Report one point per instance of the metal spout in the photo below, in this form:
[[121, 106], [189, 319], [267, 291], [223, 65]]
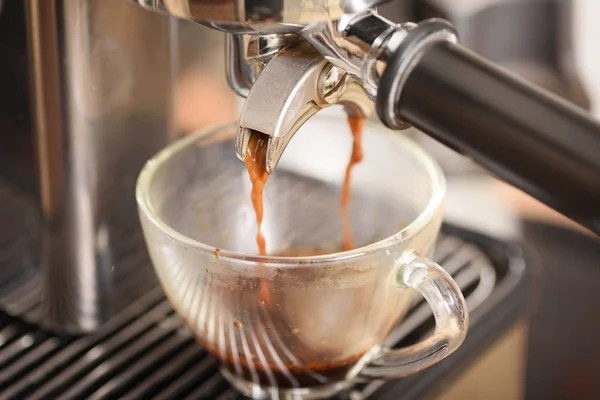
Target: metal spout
[[296, 84]]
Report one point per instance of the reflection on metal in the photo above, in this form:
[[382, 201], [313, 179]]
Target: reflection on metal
[[101, 87], [257, 16]]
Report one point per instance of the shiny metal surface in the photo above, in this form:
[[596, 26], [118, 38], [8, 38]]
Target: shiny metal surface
[[102, 107], [349, 39], [335, 62], [356, 43], [247, 55], [347, 42], [352, 43], [292, 87], [241, 72], [258, 16]]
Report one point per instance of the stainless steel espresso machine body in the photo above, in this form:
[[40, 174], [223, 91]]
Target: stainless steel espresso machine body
[[95, 63], [100, 104]]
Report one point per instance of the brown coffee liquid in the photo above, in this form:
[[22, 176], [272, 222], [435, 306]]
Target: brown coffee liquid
[[256, 163], [356, 127], [283, 375], [306, 375], [255, 160]]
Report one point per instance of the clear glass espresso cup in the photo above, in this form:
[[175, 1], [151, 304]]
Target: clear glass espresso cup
[[325, 318]]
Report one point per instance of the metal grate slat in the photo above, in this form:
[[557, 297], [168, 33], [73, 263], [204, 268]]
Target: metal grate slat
[[152, 303], [209, 389], [137, 371], [8, 334], [116, 362], [161, 377], [28, 362], [19, 347], [145, 351], [97, 354], [189, 380]]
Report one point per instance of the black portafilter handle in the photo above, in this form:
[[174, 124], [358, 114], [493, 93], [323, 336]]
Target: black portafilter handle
[[523, 134]]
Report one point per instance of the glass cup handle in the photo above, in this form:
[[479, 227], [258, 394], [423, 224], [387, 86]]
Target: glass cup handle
[[451, 321]]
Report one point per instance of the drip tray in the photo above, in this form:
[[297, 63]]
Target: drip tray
[[146, 352]]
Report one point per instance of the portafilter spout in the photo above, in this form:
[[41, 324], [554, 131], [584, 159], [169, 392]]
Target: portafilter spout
[[295, 84]]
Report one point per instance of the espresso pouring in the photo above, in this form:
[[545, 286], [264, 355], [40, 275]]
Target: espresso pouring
[[255, 160], [303, 375]]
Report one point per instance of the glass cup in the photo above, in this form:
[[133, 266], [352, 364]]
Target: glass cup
[[324, 318]]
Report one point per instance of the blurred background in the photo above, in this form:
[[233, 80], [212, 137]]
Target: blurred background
[[551, 351]]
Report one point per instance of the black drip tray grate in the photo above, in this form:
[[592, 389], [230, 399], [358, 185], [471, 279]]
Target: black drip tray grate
[[146, 352]]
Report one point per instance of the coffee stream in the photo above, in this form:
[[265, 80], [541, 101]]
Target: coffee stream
[[256, 163], [255, 160], [313, 374], [356, 127]]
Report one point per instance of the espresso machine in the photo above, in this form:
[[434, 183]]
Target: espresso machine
[[100, 101], [291, 60]]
